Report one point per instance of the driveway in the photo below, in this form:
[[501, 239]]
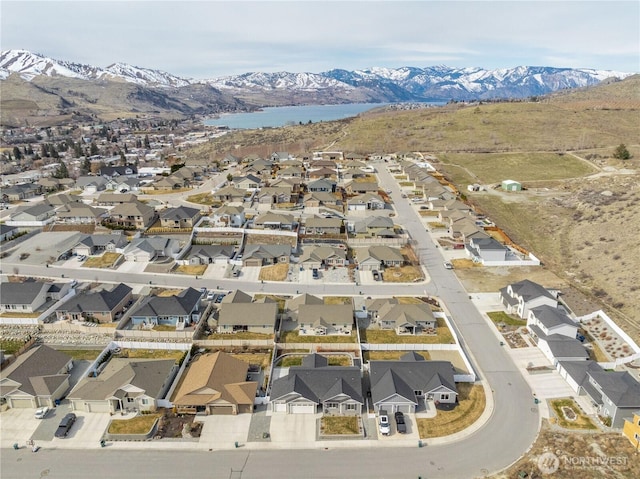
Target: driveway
[[411, 436], [17, 425], [298, 430], [221, 432]]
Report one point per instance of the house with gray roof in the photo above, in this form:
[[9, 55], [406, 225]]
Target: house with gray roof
[[210, 254], [7, 232], [405, 385], [274, 195], [266, 254], [362, 187], [550, 321], [380, 226], [274, 221], [98, 243], [555, 334], [125, 385], [291, 305], [251, 317], [32, 215], [102, 306], [23, 297], [231, 216], [237, 296], [180, 217], [318, 225], [112, 199], [322, 184], [325, 319], [377, 257], [230, 194], [92, 184], [406, 318], [150, 248], [336, 390], [249, 182], [317, 256], [36, 378], [180, 310], [366, 201], [80, 214], [486, 250], [518, 298], [314, 199]]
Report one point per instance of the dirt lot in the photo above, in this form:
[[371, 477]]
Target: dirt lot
[[581, 455], [485, 279]]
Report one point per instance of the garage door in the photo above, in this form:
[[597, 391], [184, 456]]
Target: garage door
[[22, 403], [302, 408], [280, 407], [101, 406], [221, 410], [393, 407]]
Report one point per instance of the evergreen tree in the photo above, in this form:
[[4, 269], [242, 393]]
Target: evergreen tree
[[17, 153], [61, 171], [86, 166], [621, 152], [94, 149], [147, 143]]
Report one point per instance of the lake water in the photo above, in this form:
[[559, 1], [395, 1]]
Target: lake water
[[285, 115]]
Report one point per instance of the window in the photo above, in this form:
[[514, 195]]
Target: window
[[144, 401], [351, 407], [444, 397], [418, 392], [332, 405], [130, 399]]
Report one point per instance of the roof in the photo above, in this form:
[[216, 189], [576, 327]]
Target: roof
[[179, 213], [619, 386], [325, 314], [270, 217], [551, 317], [380, 253], [320, 253], [181, 304], [149, 375], [320, 222], [406, 376], [229, 210], [237, 296], [318, 382], [565, 347], [117, 238], [132, 208], [268, 251], [101, 301], [406, 313], [529, 290], [306, 298], [37, 370], [211, 251], [250, 314], [215, 376], [488, 243], [21, 293]]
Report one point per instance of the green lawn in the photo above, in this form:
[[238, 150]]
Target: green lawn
[[10, 346], [500, 317], [137, 425]]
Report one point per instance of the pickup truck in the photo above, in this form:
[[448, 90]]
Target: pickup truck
[[401, 426]]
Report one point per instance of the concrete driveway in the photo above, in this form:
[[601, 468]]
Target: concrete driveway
[[298, 429], [17, 425], [223, 431], [412, 435]]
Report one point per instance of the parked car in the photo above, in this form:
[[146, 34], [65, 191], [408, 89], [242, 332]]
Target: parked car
[[376, 275], [65, 425], [41, 412], [316, 273], [384, 426], [448, 265], [401, 426]]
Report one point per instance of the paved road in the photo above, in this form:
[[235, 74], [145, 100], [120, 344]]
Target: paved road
[[502, 440]]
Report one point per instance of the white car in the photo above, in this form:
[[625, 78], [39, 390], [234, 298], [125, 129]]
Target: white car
[[448, 265], [41, 412], [385, 427]]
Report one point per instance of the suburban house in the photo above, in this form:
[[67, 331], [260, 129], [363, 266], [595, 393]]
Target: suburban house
[[36, 378], [337, 390], [180, 310], [7, 232], [266, 254], [325, 319], [316, 256], [229, 194], [210, 254], [36, 215], [293, 184], [353, 173], [486, 250], [377, 257], [80, 214], [49, 184], [231, 216], [406, 318], [320, 198], [249, 182], [180, 217], [130, 171], [150, 248], [274, 221], [122, 184], [322, 184], [92, 184], [317, 225], [237, 296], [103, 306], [364, 202], [20, 192], [290, 172], [407, 384], [24, 297], [362, 187], [380, 226], [112, 199], [125, 385], [292, 305], [555, 334], [135, 215], [524, 295], [251, 317], [215, 383], [96, 244], [273, 195], [616, 394], [280, 156], [169, 183], [631, 429], [322, 173]]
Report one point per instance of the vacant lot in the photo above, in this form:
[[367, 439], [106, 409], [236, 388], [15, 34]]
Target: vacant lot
[[402, 274], [107, 260], [277, 272], [191, 269]]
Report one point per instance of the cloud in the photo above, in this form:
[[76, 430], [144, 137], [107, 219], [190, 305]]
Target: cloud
[[216, 38]]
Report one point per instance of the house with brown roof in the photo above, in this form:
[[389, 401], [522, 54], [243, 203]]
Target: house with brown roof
[[325, 319], [132, 215], [215, 383], [318, 256], [317, 225], [251, 317], [406, 318], [229, 194]]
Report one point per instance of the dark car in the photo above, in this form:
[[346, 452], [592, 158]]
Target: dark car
[[65, 425], [401, 426], [315, 273], [376, 275]]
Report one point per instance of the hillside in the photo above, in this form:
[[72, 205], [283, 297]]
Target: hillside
[[580, 212]]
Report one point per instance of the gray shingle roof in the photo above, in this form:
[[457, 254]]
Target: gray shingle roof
[[254, 314], [179, 213], [101, 301], [181, 304], [21, 293], [40, 362], [529, 290], [620, 387], [551, 317]]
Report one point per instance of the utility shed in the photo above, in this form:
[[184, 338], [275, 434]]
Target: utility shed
[[511, 185]]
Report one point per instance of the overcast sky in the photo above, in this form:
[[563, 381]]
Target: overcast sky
[[204, 39]]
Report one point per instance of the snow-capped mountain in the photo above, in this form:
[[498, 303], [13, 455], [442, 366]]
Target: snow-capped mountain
[[29, 65], [376, 84]]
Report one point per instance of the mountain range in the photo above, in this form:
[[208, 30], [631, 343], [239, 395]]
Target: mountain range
[[164, 93]]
